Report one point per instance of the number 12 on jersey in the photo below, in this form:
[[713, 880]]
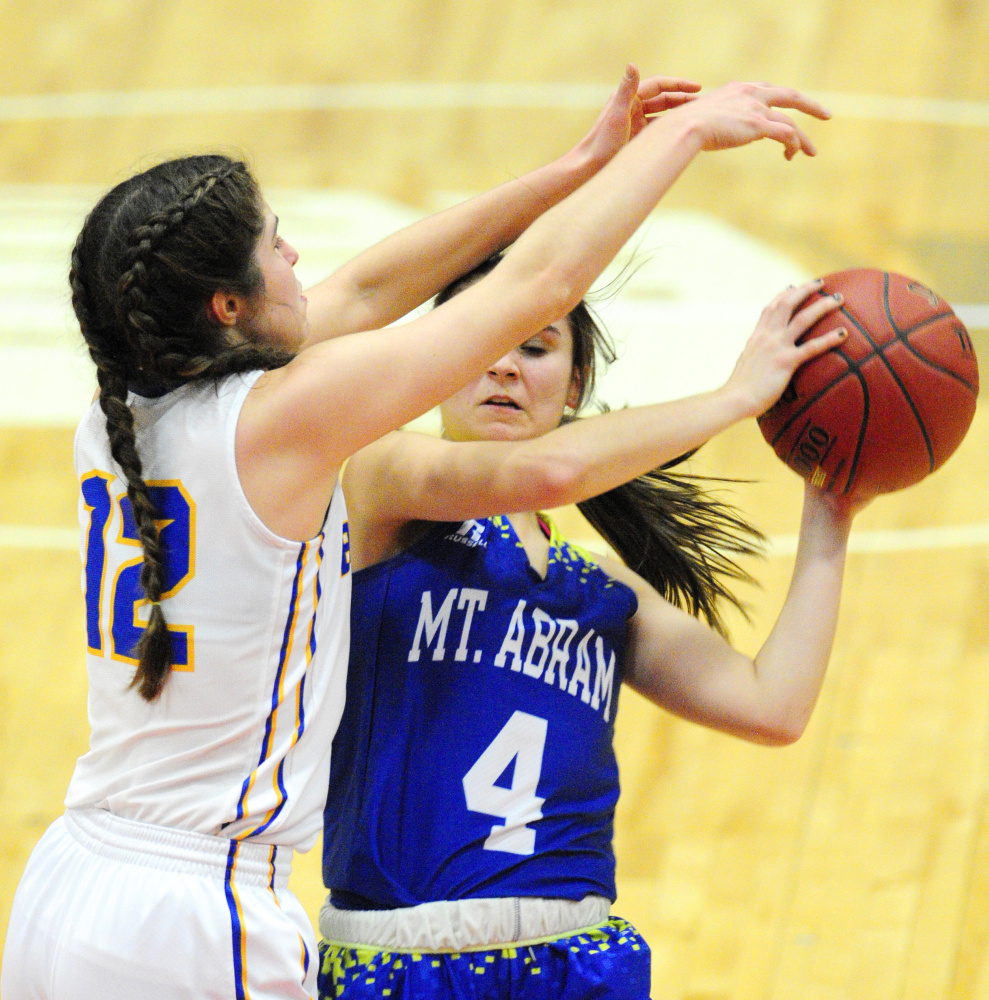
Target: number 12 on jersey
[[522, 739], [177, 535]]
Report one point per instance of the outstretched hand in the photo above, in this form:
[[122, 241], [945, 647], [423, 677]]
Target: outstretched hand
[[740, 113], [772, 354], [629, 108]]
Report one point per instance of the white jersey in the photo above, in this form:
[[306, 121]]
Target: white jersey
[[238, 744]]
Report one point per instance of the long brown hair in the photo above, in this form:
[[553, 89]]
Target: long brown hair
[[149, 258], [664, 525]]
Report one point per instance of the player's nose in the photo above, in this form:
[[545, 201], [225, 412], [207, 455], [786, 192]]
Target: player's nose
[[506, 367]]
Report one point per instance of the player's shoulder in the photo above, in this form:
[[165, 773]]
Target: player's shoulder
[[563, 547], [607, 570], [619, 572]]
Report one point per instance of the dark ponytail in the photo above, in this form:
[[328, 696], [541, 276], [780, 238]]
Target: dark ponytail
[[678, 537], [148, 260], [666, 526]]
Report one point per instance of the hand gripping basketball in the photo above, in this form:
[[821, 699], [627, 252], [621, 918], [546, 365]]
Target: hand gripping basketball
[[890, 404]]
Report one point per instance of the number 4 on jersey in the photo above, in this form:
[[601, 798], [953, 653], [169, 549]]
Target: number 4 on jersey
[[522, 739]]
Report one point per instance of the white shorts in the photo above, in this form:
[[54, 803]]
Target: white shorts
[[117, 910]]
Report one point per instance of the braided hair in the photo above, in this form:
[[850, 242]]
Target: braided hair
[[145, 266], [663, 525]]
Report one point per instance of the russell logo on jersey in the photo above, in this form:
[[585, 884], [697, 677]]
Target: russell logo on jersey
[[469, 533]]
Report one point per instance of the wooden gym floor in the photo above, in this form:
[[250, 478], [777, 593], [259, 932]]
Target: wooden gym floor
[[851, 866]]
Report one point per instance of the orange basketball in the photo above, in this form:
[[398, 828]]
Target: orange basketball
[[891, 403]]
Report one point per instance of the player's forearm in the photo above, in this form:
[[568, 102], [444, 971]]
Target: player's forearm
[[595, 454], [791, 665], [584, 232], [408, 268]]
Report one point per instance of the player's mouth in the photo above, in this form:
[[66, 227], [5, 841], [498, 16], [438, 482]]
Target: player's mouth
[[502, 402]]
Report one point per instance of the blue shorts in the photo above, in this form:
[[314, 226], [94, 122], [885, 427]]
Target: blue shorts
[[606, 962]]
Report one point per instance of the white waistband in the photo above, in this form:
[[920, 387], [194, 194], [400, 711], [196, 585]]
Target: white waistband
[[168, 849], [462, 924]]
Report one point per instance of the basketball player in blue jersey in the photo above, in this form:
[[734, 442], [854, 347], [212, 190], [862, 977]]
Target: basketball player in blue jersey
[[214, 533], [468, 828]]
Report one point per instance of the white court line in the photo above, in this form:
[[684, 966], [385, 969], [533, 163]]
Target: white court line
[[15, 536], [901, 540], [410, 96], [975, 317], [18, 536]]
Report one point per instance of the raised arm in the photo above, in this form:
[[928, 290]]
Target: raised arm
[[395, 276], [301, 421], [682, 665], [407, 476]]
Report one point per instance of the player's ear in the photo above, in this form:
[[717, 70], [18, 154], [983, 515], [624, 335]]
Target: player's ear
[[226, 308], [575, 390]]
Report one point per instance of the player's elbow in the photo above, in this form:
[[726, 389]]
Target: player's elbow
[[546, 288], [550, 480], [781, 730], [777, 737], [562, 287]]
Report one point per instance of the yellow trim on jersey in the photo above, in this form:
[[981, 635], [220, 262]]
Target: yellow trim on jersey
[[272, 725], [108, 477]]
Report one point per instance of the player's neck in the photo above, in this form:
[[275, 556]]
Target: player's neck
[[533, 538]]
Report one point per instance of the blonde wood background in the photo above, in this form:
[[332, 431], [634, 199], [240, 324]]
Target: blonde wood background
[[854, 864]]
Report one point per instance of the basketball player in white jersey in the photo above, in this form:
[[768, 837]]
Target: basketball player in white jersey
[[214, 535]]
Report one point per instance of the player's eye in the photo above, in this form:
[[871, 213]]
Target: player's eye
[[533, 349], [279, 242]]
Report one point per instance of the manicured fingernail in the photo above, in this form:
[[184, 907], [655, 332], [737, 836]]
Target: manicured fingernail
[[842, 333], [838, 297]]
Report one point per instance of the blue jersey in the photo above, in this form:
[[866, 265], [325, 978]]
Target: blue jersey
[[475, 753]]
